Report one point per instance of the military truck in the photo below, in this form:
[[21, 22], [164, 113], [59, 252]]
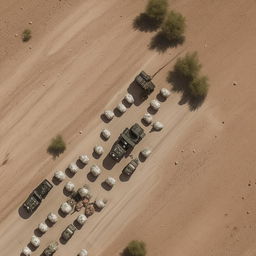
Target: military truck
[[130, 168], [36, 197], [127, 140], [68, 232], [51, 249], [145, 82]]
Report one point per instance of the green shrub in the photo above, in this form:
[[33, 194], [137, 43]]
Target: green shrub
[[156, 10], [187, 77], [199, 87], [26, 35], [57, 146], [188, 67], [135, 248], [174, 27]]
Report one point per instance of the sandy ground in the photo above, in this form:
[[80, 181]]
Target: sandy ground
[[80, 61]]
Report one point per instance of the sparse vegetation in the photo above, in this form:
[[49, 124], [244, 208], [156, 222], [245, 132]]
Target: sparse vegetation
[[57, 146], [153, 16], [26, 35], [188, 67], [174, 27], [135, 248], [199, 87], [187, 72], [156, 10]]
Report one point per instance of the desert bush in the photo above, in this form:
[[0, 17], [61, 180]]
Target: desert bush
[[199, 87], [174, 27], [156, 10], [26, 35], [188, 67], [135, 248], [57, 146], [186, 77]]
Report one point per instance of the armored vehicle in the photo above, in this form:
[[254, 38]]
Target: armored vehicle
[[37, 196], [51, 249], [145, 82], [69, 232], [130, 168], [127, 140]]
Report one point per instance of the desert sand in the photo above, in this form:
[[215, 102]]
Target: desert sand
[[81, 59]]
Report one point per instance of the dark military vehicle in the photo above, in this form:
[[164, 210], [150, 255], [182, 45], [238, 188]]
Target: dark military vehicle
[[145, 82], [51, 249], [130, 168], [127, 140], [69, 232], [36, 197]]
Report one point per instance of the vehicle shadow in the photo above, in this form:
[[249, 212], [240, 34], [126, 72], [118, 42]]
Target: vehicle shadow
[[104, 119], [137, 93], [123, 177], [91, 177], [105, 186], [69, 173], [80, 164], [62, 240], [117, 112], [108, 163], [160, 97], [23, 213], [55, 181], [37, 232]]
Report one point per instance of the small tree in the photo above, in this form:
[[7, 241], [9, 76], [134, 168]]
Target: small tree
[[199, 87], [174, 27], [135, 248], [57, 146], [26, 35], [188, 67], [156, 10]]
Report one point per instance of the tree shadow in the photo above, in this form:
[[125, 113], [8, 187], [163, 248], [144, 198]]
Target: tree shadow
[[137, 93], [23, 213], [160, 43], [108, 163], [144, 23], [105, 186], [180, 85]]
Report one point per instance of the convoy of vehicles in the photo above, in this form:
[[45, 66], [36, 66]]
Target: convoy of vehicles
[[127, 140]]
